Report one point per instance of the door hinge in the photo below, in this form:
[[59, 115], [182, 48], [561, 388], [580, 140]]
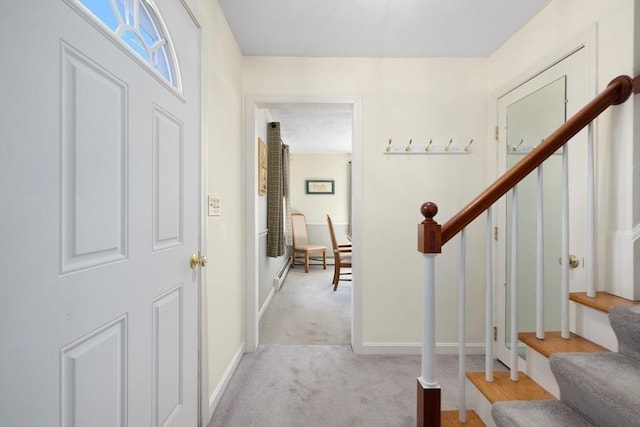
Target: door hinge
[[495, 233], [496, 133], [495, 333]]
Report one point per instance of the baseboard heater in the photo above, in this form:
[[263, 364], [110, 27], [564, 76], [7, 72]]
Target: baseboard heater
[[279, 279]]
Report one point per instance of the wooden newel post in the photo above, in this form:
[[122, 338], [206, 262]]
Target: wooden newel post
[[429, 244], [429, 231]]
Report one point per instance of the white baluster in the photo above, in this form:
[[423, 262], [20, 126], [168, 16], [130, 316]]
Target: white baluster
[[564, 296], [591, 214], [514, 285], [462, 413], [540, 260], [488, 357], [427, 377]]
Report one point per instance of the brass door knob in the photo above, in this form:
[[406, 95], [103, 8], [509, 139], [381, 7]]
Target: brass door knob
[[196, 259], [574, 262]]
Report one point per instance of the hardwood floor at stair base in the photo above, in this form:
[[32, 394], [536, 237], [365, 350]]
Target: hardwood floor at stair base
[[502, 388], [450, 419]]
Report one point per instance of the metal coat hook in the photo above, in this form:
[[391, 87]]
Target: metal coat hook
[[428, 146], [468, 146], [515, 147], [389, 145], [408, 147], [448, 146]]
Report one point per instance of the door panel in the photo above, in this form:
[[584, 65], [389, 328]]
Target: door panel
[[99, 212], [167, 356], [167, 180], [93, 372], [93, 164]]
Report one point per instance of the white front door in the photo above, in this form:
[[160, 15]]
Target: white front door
[[99, 213], [527, 114]]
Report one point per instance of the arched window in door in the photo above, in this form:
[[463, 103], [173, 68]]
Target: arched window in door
[[138, 24]]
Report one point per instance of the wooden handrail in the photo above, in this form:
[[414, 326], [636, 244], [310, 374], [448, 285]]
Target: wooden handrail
[[617, 92]]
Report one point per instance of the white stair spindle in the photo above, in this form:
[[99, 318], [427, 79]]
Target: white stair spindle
[[488, 358], [540, 260], [591, 214], [564, 296], [514, 285], [462, 413], [427, 378]]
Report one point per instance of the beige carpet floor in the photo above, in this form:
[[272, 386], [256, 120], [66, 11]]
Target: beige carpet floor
[[305, 374], [306, 310]]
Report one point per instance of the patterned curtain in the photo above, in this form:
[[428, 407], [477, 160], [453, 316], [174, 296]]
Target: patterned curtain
[[288, 234], [275, 193]]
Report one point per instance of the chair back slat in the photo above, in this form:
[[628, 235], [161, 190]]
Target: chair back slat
[[299, 228]]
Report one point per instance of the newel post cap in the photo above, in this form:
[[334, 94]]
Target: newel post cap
[[429, 231]]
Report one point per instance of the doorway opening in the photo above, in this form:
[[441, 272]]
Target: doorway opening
[[324, 139]]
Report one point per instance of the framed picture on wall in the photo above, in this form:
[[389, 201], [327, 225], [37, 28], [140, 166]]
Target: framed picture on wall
[[262, 167], [320, 186]]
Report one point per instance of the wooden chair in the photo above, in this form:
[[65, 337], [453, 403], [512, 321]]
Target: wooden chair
[[301, 243], [341, 257]]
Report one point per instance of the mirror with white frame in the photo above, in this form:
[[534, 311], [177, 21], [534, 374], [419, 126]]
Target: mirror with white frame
[[529, 121]]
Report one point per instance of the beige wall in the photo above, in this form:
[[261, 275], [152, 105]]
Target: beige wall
[[558, 27], [401, 99], [225, 272], [316, 207]]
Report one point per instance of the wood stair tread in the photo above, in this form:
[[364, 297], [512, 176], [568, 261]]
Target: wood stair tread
[[450, 419], [602, 301], [554, 343], [502, 388]]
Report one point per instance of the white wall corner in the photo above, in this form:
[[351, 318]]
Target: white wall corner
[[215, 397]]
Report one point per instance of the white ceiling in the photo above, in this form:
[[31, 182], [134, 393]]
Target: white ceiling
[[314, 128], [366, 28]]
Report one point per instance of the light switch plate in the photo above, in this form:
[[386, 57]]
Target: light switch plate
[[213, 204]]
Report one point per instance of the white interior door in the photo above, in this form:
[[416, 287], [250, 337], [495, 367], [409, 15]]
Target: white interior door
[[534, 98], [99, 212]]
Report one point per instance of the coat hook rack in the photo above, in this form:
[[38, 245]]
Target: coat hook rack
[[428, 148]]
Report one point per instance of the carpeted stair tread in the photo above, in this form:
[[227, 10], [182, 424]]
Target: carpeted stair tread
[[602, 301], [602, 387], [450, 419], [554, 343], [502, 388], [625, 321], [535, 413]]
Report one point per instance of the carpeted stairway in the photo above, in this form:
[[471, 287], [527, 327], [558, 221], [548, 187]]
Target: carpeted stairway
[[599, 389]]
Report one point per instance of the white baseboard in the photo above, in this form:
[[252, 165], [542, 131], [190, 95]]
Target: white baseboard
[[215, 397], [266, 303], [416, 348]]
